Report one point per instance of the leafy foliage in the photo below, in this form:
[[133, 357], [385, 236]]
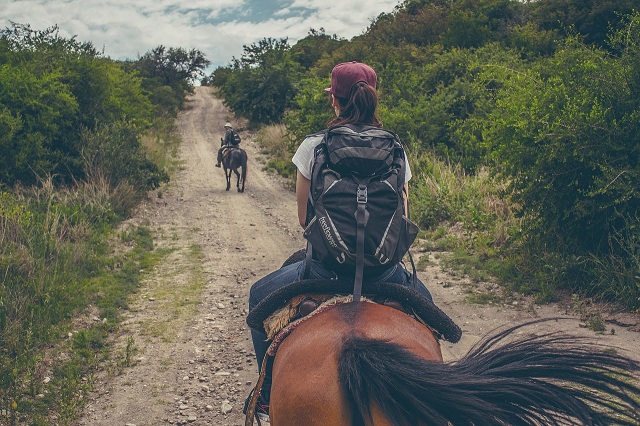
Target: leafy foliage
[[542, 94], [567, 136], [317, 43], [263, 81], [168, 75], [56, 92], [593, 19]]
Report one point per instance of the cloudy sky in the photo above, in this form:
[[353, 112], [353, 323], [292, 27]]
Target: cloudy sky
[[126, 29]]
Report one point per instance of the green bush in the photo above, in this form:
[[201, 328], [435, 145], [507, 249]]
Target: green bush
[[567, 136], [263, 82], [115, 152], [51, 90]]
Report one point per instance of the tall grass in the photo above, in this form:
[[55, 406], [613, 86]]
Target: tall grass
[[62, 287], [161, 145], [616, 276], [53, 251], [471, 216], [470, 208], [276, 143]]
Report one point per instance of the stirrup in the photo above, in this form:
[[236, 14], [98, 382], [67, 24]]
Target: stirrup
[[260, 410], [262, 418]]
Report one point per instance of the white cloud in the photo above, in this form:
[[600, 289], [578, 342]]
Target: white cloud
[[128, 28], [282, 12], [345, 18]]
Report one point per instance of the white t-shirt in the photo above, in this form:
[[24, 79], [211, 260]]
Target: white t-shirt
[[303, 158]]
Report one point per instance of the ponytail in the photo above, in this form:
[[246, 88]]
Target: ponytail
[[360, 108]]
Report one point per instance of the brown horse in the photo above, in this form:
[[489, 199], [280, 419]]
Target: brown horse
[[369, 364], [233, 159]]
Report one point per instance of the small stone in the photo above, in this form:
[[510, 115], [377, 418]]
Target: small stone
[[226, 407]]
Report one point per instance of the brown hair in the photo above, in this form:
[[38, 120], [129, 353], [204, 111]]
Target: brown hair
[[360, 108]]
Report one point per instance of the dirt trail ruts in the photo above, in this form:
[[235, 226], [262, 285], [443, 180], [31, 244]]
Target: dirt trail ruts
[[185, 350], [193, 357]]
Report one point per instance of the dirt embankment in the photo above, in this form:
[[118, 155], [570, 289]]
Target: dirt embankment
[[185, 339]]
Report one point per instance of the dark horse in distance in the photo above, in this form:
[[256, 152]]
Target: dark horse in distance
[[232, 160]]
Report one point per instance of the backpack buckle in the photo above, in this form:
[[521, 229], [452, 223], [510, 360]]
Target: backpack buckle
[[361, 196]]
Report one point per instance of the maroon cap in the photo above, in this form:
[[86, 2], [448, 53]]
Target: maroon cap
[[344, 76]]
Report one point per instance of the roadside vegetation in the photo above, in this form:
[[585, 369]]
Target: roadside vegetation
[[521, 120], [83, 140]]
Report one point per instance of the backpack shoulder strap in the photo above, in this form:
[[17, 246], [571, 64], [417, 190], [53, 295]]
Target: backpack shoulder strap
[[310, 208]]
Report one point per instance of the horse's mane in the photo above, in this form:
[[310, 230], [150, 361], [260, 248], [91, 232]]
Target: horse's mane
[[550, 379]]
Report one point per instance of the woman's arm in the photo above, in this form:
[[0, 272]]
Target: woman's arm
[[302, 195]]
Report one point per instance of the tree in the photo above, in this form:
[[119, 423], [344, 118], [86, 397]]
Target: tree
[[53, 89], [262, 83], [264, 53], [317, 43], [593, 19], [169, 75], [567, 137]]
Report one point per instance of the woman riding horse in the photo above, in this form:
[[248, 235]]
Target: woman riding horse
[[362, 363], [354, 99]]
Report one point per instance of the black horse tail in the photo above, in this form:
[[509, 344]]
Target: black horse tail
[[552, 379], [245, 160]]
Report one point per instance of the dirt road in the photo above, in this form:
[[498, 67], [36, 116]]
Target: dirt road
[[185, 355]]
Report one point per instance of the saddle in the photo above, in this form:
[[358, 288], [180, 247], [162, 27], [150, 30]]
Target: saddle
[[303, 299], [226, 149], [390, 294]]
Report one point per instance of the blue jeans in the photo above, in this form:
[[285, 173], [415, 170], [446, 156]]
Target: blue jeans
[[290, 273]]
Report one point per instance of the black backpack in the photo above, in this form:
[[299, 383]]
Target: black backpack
[[236, 138], [355, 213]]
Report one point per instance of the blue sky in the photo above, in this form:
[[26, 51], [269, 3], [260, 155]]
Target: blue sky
[[126, 29]]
